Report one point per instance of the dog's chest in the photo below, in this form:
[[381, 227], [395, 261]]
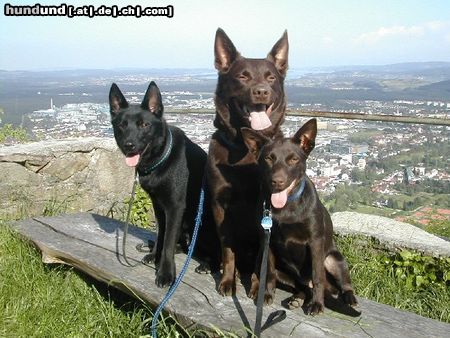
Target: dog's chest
[[158, 186], [291, 233], [291, 213]]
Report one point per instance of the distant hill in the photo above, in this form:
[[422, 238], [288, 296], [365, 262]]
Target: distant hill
[[409, 81], [435, 91], [104, 73], [443, 86], [24, 91], [407, 67]]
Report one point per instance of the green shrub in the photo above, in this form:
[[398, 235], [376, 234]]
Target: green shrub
[[11, 134], [417, 270], [411, 282], [439, 227], [141, 210]]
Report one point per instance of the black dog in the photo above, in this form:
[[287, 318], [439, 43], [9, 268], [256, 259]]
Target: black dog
[[170, 170], [302, 235], [249, 93]]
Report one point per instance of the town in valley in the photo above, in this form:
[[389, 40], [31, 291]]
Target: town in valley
[[394, 169]]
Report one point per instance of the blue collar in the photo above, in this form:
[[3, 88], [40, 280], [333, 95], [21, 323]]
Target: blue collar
[[165, 155], [296, 195]]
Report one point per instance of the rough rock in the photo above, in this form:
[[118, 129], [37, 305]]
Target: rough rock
[[86, 174], [390, 232]]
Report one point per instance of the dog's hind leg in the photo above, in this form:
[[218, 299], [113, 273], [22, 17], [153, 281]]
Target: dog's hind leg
[[337, 267]]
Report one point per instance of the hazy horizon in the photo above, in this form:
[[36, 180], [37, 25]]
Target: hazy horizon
[[321, 34], [213, 70]]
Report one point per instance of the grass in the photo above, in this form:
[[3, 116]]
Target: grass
[[439, 227], [375, 280], [38, 300], [368, 209], [56, 301]]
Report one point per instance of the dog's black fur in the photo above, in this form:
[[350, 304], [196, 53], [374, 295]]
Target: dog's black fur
[[244, 85], [302, 235], [173, 186]]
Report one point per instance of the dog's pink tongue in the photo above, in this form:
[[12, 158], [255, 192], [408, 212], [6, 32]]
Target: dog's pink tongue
[[132, 161], [259, 120], [279, 199]]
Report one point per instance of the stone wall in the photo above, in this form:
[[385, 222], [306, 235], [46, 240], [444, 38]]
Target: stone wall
[[90, 175], [79, 174]]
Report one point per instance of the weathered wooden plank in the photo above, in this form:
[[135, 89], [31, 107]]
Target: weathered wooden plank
[[92, 243]]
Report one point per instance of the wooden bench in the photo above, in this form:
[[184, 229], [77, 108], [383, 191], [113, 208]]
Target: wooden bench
[[92, 243]]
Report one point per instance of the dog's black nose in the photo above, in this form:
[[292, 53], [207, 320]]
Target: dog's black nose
[[129, 146], [260, 92], [278, 182]]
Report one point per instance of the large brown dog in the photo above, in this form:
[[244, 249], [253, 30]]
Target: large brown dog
[[249, 93]]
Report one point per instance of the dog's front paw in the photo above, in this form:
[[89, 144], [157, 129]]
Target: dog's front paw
[[165, 276], [164, 279], [314, 308], [253, 292], [296, 301], [203, 268], [227, 287], [349, 298], [268, 297], [149, 258]]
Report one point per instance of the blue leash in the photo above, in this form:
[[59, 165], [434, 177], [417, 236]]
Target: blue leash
[[198, 222]]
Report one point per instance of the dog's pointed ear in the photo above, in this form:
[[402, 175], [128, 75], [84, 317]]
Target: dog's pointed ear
[[279, 54], [254, 140], [224, 51], [116, 100], [152, 100], [305, 137]]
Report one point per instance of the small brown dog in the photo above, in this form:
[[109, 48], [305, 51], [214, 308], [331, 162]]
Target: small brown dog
[[302, 235]]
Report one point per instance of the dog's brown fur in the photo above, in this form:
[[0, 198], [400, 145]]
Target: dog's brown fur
[[302, 235], [232, 173]]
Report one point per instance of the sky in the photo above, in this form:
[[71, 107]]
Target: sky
[[321, 33]]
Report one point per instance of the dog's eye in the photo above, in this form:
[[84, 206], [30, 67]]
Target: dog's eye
[[123, 124], [143, 124], [268, 159], [293, 160], [244, 76], [271, 77]]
